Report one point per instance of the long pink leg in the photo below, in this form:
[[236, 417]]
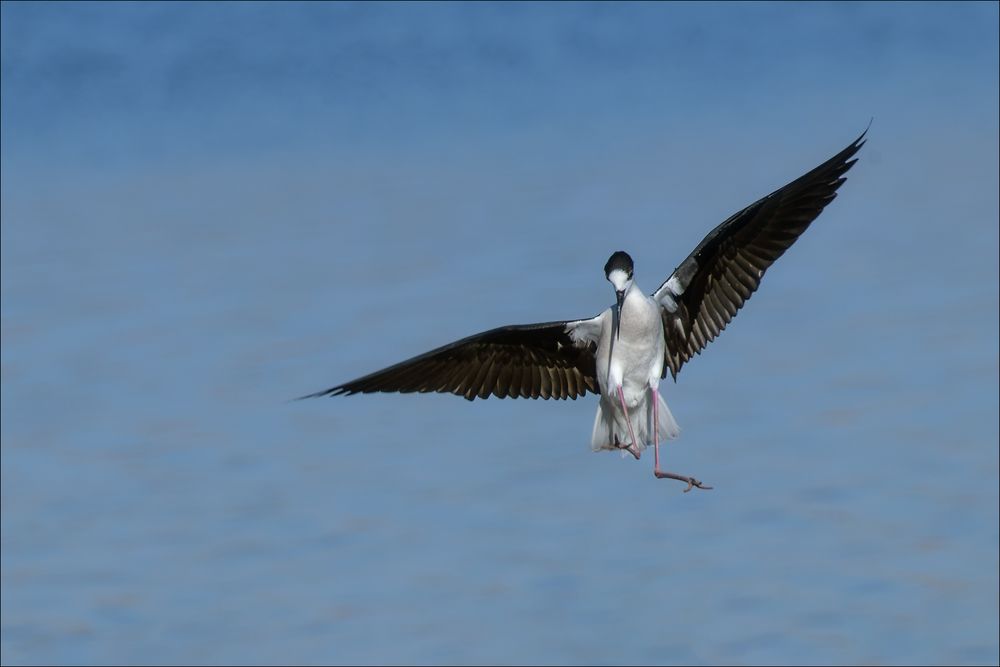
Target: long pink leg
[[634, 447], [660, 474], [656, 430]]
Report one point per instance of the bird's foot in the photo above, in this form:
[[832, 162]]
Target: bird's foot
[[691, 481], [631, 449]]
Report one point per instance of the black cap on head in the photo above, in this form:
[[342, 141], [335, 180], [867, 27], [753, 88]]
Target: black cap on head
[[619, 260]]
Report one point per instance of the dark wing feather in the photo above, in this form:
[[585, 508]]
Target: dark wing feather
[[533, 360], [706, 291]]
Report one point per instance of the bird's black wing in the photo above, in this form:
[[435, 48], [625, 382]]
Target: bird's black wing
[[549, 360], [708, 288]]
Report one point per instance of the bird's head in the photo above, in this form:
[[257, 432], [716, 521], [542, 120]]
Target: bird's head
[[618, 271]]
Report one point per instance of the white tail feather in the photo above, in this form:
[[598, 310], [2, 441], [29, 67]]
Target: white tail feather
[[609, 422]]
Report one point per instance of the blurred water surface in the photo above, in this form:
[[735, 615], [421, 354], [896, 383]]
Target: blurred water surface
[[210, 209]]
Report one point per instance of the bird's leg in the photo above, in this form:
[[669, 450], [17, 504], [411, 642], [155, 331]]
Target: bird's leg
[[630, 448], [656, 429], [634, 447], [660, 474]]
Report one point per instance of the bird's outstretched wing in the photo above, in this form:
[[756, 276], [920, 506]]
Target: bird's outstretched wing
[[708, 288], [549, 360]]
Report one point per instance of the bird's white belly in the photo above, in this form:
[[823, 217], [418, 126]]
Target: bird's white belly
[[634, 360], [635, 368]]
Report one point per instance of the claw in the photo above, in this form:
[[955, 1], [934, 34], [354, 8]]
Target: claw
[[691, 481], [630, 448]]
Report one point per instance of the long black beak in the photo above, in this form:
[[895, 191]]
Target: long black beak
[[621, 303]]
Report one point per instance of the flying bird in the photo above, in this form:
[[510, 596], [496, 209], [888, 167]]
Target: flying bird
[[623, 353]]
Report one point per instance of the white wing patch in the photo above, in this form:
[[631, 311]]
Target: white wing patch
[[585, 332], [669, 292], [667, 301], [673, 289], [674, 285]]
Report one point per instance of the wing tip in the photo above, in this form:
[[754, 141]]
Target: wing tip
[[332, 391], [858, 143]]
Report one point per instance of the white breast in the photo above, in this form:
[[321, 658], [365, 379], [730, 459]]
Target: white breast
[[635, 359]]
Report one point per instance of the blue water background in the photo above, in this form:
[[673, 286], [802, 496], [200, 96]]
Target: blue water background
[[208, 209]]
